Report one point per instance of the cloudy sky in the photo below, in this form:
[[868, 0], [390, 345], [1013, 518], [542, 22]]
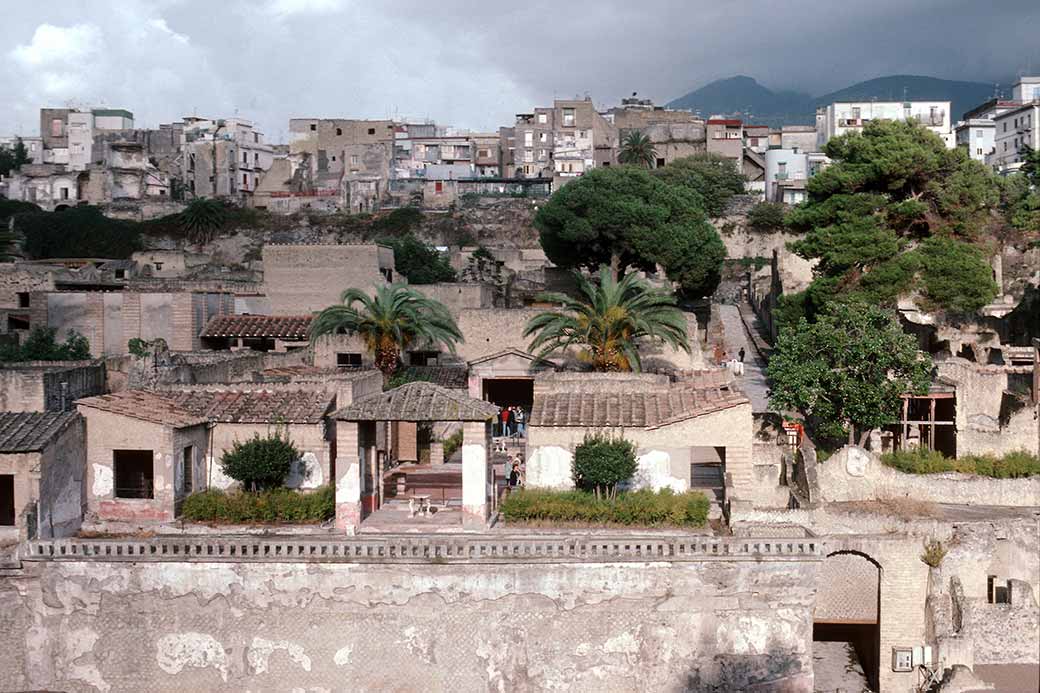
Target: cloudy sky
[[474, 63]]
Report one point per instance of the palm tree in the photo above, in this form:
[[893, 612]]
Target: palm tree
[[637, 149], [396, 317], [608, 322]]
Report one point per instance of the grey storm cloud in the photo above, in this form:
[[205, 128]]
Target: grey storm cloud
[[474, 64]]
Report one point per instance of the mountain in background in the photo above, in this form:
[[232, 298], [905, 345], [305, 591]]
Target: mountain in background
[[745, 95]]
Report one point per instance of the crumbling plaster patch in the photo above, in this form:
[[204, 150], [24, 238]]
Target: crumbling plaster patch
[[200, 650]]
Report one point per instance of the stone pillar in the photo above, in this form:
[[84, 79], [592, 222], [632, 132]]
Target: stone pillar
[[348, 477], [475, 474], [437, 452]]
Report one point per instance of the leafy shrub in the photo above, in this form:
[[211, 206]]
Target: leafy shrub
[[601, 463], [41, 346], [202, 219], [767, 215], [400, 221], [260, 463], [934, 553], [635, 508], [77, 232], [274, 505], [452, 443], [1014, 465]]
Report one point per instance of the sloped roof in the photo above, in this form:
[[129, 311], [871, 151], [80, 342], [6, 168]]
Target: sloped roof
[[517, 353], [255, 406], [282, 326], [32, 431], [451, 377], [419, 401], [146, 406], [646, 409]]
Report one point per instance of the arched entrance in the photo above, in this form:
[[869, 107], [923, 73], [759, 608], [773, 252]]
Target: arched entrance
[[848, 611]]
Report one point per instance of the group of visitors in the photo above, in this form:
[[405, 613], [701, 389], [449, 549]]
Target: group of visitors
[[735, 365], [512, 422]]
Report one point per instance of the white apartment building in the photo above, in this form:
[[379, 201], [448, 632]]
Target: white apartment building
[[223, 157], [850, 116], [1026, 89], [83, 124], [1014, 130], [975, 136]]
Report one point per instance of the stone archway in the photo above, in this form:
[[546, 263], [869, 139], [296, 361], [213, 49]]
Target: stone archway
[[848, 609]]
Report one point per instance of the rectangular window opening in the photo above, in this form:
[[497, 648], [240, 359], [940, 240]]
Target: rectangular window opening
[[188, 457], [134, 473], [348, 360], [7, 511]]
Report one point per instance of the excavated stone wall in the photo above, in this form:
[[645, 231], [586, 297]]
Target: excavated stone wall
[[174, 626]]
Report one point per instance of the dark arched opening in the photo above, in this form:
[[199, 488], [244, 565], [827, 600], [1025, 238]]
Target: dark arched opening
[[847, 612]]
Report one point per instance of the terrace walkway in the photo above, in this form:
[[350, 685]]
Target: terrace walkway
[[753, 382]]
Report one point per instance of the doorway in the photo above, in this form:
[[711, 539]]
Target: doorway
[[7, 512], [847, 618]]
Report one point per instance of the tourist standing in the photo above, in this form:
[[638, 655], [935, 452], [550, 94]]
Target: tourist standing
[[511, 421], [521, 419], [504, 416]]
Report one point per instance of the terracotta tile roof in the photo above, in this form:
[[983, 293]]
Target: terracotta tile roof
[[146, 406], [631, 409], [255, 406], [32, 431], [418, 402], [283, 326], [451, 377]]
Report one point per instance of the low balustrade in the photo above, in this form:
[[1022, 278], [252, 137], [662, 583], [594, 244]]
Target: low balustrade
[[430, 549]]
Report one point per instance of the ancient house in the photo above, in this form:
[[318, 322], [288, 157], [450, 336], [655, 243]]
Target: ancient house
[[257, 332], [48, 385], [239, 413], [693, 433], [41, 474], [305, 278], [145, 454]]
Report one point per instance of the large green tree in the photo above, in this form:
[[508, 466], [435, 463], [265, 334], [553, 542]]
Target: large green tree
[[11, 158], [419, 262], [892, 214], [608, 322], [714, 179], [393, 319], [848, 370], [638, 150], [624, 218]]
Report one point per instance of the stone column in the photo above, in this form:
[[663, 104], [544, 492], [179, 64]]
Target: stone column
[[437, 452], [348, 477], [475, 474]]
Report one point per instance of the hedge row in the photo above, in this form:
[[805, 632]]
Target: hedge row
[[634, 508], [275, 505], [1013, 465]]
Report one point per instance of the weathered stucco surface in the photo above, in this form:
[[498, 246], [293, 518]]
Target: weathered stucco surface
[[711, 625]]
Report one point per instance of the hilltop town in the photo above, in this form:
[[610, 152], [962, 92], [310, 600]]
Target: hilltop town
[[617, 398]]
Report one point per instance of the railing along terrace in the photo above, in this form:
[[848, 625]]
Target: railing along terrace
[[430, 549]]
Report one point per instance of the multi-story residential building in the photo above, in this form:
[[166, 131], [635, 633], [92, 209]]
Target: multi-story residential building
[[487, 155], [674, 134], [850, 116], [68, 133], [975, 136], [561, 142], [800, 138], [1027, 88], [1014, 131], [725, 137], [756, 138], [223, 158], [787, 171], [332, 147]]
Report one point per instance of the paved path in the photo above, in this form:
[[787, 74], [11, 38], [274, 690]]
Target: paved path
[[753, 382]]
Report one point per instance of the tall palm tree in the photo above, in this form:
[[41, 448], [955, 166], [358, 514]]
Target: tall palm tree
[[637, 149], [390, 321], [608, 322]]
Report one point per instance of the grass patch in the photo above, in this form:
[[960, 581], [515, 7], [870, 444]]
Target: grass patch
[[634, 508], [275, 505], [1014, 465]]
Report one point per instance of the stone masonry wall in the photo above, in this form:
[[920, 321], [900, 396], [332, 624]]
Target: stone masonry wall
[[703, 626]]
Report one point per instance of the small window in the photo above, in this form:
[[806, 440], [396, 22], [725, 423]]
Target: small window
[[64, 193], [371, 131], [995, 593], [158, 265], [188, 459], [314, 127], [57, 127], [23, 299], [660, 162], [120, 274], [256, 138], [353, 159], [134, 473], [333, 158], [542, 118], [438, 186], [348, 360], [245, 158], [339, 132], [245, 179]]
